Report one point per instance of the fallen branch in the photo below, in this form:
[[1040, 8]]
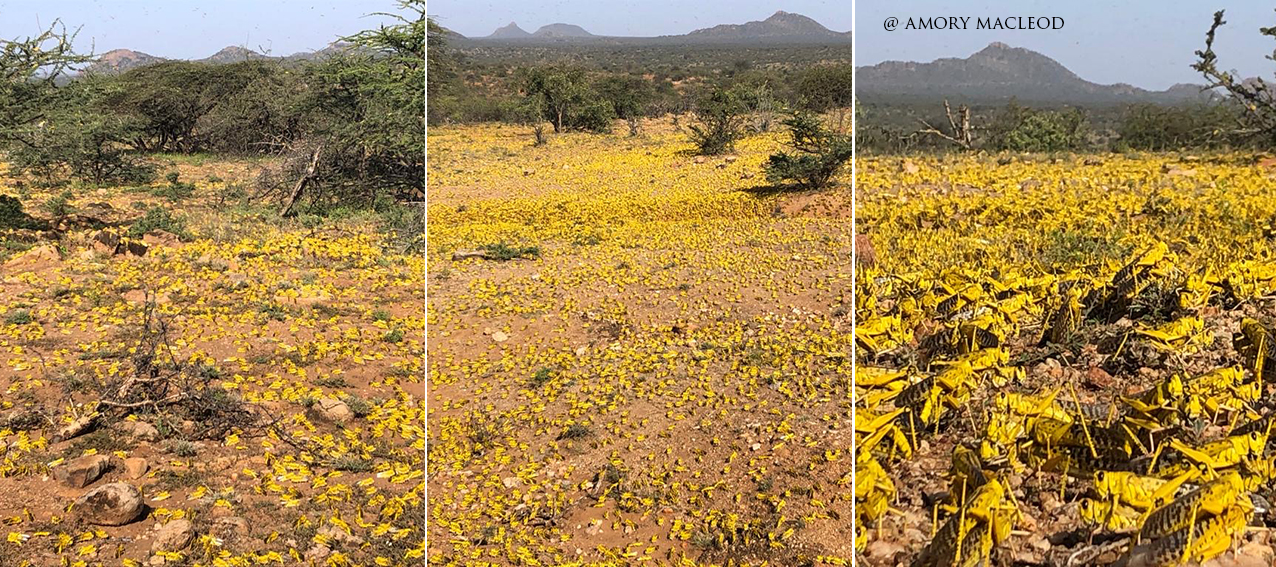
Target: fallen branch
[[301, 183]]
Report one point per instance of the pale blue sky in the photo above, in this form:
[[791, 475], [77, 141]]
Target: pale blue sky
[[190, 29], [628, 17], [1148, 43]]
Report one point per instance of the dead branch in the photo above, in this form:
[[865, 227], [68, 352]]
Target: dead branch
[[961, 132], [302, 182]]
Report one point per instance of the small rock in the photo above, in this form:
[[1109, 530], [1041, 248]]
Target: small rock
[[511, 481], [135, 467], [82, 471], [137, 296], [161, 238], [701, 159], [139, 430], [155, 560], [1039, 543], [884, 549], [334, 410], [755, 446], [864, 253], [909, 167], [234, 524], [595, 526], [1099, 378], [113, 504], [173, 536], [337, 534], [318, 552], [500, 336]]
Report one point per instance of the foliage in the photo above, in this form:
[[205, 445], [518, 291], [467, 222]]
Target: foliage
[[364, 113], [1258, 117], [76, 138], [826, 87], [1022, 129], [158, 218], [47, 130], [1160, 128], [818, 153], [567, 100], [29, 71], [720, 122], [627, 95]]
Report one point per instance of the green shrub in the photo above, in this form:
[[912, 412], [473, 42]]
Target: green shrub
[[60, 205], [18, 317], [1021, 129], [1159, 128], [818, 154], [720, 122], [176, 189], [157, 218], [502, 251]]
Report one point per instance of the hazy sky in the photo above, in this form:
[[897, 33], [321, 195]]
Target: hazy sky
[[190, 29], [628, 17], [1148, 44]]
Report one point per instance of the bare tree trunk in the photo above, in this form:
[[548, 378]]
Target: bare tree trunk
[[301, 183], [961, 131]]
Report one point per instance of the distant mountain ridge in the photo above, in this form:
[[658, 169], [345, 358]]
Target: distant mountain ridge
[[781, 27], [123, 60], [999, 72]]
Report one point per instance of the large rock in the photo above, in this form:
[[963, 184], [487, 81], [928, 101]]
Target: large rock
[[110, 243], [113, 504], [173, 536], [82, 471], [334, 410], [35, 259]]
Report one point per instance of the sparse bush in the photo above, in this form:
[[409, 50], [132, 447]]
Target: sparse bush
[[541, 377], [818, 154], [502, 251], [1158, 128], [59, 205], [158, 218], [176, 190], [720, 123], [18, 317], [566, 99], [1021, 129], [358, 406]]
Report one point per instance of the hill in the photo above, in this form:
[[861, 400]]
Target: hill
[[1001, 72], [781, 27]]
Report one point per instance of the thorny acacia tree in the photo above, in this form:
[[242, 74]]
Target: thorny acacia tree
[[1254, 95], [365, 114], [29, 69]]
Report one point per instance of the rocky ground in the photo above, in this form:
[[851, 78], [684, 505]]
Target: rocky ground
[[206, 384]]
